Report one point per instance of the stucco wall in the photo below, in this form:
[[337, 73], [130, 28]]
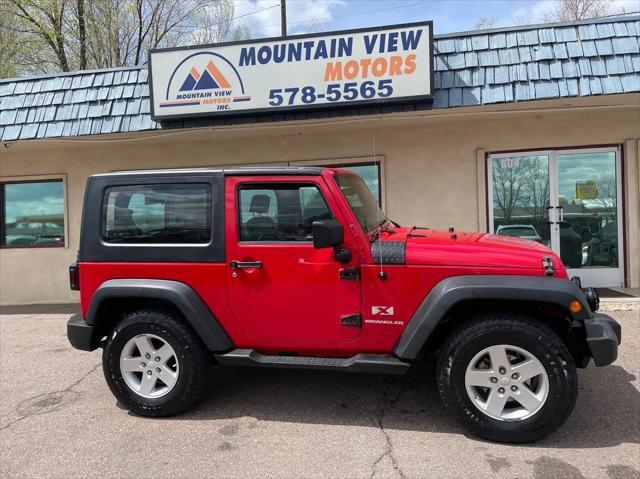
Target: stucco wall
[[433, 167]]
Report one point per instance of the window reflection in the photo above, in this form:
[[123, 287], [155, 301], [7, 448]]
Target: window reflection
[[521, 197], [584, 203], [33, 214], [588, 195]]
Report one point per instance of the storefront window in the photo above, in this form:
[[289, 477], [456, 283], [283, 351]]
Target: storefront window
[[568, 200], [32, 214], [521, 197]]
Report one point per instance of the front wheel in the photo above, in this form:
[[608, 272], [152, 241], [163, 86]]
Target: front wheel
[[507, 378]]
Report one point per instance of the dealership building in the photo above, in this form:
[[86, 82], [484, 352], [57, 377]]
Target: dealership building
[[532, 131]]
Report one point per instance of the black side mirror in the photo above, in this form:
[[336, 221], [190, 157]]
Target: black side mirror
[[327, 233]]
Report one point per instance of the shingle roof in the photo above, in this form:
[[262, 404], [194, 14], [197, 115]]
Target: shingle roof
[[473, 68]]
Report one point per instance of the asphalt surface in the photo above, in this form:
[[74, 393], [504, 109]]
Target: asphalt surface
[[58, 419]]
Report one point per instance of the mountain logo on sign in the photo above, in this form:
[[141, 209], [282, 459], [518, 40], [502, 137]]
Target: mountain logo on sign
[[206, 80], [209, 79]]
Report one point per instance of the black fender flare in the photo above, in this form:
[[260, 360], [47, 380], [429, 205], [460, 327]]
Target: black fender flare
[[450, 291], [182, 296]]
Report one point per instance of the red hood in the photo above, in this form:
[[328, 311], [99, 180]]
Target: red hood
[[439, 247]]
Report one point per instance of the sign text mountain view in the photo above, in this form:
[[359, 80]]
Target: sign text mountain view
[[335, 48]]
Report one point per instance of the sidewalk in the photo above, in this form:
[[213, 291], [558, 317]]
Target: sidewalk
[[619, 299]]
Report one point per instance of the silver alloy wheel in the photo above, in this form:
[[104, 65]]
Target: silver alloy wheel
[[149, 366], [507, 383]]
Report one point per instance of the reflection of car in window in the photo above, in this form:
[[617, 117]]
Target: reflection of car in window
[[602, 249], [19, 240], [521, 231], [53, 240], [570, 246]]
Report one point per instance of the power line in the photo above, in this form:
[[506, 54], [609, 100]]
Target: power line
[[256, 11], [189, 27], [347, 15]]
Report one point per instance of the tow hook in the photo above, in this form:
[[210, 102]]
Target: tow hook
[[590, 294], [547, 264]]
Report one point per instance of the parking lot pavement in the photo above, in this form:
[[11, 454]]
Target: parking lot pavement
[[58, 419]]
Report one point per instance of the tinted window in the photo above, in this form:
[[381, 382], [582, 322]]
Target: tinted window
[[164, 213], [280, 212], [33, 213]]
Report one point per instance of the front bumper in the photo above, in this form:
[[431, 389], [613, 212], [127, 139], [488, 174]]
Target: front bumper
[[80, 334], [604, 334]]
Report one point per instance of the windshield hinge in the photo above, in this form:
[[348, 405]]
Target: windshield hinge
[[352, 274], [351, 321]]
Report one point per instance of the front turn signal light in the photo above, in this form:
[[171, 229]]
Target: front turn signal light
[[575, 306]]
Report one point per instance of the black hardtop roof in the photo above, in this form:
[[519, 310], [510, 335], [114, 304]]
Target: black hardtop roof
[[249, 171]]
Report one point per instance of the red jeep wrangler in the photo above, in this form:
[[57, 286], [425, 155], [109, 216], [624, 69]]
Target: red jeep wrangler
[[299, 268]]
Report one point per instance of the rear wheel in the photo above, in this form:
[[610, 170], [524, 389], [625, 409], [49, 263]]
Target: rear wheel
[[507, 378], [155, 365]]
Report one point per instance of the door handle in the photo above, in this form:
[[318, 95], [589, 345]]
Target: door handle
[[559, 216], [235, 264]]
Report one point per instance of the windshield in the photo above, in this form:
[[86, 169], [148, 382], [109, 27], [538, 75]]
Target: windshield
[[361, 201]]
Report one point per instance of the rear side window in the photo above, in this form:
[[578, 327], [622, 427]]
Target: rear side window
[[157, 214]]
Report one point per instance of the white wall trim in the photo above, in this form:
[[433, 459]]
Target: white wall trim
[[631, 170], [481, 176]]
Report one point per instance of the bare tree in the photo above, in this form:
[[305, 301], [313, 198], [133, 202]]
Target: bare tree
[[317, 24], [536, 197], [45, 19], [507, 187], [78, 34], [521, 190], [574, 10], [216, 24], [484, 23], [14, 51], [82, 34], [606, 201]]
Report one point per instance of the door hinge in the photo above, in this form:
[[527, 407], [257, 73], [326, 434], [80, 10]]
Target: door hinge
[[350, 273], [351, 321]]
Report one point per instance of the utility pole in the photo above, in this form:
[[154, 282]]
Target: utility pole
[[283, 17]]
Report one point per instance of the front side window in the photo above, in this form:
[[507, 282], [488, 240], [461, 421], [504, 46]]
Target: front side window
[[32, 214], [361, 200], [162, 213], [280, 212]]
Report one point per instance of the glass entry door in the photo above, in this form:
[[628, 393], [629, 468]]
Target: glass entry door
[[568, 200]]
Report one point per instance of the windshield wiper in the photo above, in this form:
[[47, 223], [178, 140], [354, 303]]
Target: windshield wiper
[[411, 233]]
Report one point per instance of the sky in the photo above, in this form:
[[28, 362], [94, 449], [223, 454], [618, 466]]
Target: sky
[[303, 16]]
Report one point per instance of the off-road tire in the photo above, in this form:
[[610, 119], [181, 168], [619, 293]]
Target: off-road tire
[[489, 329], [194, 362]]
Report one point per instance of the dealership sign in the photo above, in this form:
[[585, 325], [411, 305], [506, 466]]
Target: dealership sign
[[382, 65]]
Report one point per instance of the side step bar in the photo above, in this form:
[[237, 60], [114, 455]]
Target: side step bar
[[360, 363]]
